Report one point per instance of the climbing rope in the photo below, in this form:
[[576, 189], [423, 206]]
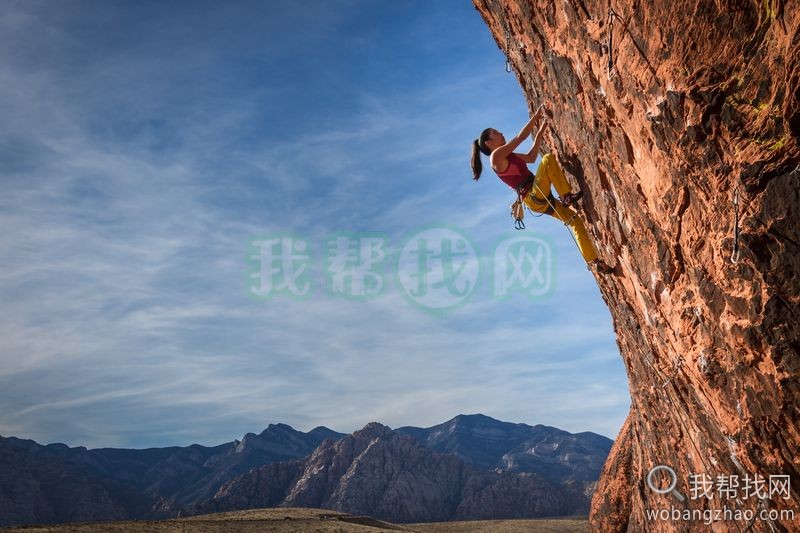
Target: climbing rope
[[763, 505], [687, 435], [611, 70], [678, 364], [566, 222], [735, 254]]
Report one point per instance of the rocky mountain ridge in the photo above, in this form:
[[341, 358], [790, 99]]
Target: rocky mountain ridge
[[483, 442], [161, 482], [41, 483], [395, 477]]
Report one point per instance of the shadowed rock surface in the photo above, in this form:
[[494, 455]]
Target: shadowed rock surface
[[661, 112], [46, 490], [56, 483]]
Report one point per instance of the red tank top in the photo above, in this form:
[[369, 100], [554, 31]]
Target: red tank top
[[516, 173]]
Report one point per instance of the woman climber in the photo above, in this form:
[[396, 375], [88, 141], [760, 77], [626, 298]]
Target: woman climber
[[535, 191]]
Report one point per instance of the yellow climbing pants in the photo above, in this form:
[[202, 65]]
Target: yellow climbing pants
[[549, 173]]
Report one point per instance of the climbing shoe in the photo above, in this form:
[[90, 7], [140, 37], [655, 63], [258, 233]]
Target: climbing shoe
[[571, 198]]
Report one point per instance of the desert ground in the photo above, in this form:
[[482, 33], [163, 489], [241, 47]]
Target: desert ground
[[307, 521]]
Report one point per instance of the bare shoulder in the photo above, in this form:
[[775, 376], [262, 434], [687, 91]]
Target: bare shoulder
[[499, 162]]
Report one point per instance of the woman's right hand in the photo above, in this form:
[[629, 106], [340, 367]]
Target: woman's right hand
[[541, 126], [533, 122]]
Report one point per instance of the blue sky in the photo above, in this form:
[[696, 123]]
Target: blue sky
[[146, 144]]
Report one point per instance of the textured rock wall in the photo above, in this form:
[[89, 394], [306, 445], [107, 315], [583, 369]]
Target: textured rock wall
[[690, 103]]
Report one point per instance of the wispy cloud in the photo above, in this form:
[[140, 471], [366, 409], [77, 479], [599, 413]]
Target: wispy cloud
[[137, 166]]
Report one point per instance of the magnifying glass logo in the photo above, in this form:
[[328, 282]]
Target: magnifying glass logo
[[670, 488]]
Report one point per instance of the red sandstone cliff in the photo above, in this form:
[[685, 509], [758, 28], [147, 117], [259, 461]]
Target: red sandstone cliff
[[691, 102]]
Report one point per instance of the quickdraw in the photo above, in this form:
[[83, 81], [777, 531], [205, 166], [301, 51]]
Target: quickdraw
[[518, 212], [610, 71], [508, 49], [735, 254]]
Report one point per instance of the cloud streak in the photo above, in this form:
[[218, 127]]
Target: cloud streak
[[134, 181]]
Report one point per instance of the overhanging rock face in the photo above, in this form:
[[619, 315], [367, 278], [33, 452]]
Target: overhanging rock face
[[662, 113]]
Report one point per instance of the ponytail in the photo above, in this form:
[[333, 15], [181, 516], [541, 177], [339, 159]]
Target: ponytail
[[477, 166], [479, 147]]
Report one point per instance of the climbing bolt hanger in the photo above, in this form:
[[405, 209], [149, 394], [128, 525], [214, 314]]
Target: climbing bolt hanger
[[735, 254], [610, 71], [508, 51], [519, 47]]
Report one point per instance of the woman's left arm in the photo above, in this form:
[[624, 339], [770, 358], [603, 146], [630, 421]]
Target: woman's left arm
[[530, 157]]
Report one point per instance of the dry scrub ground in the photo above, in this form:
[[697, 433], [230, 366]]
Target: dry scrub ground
[[306, 521]]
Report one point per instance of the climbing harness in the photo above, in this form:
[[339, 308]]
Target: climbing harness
[[541, 203], [519, 205], [735, 254]]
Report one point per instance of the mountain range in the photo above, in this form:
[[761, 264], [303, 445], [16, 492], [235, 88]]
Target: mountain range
[[472, 466]]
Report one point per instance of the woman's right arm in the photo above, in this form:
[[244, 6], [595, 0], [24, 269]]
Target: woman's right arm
[[508, 148], [530, 157]]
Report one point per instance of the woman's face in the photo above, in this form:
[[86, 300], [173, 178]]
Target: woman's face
[[495, 139]]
